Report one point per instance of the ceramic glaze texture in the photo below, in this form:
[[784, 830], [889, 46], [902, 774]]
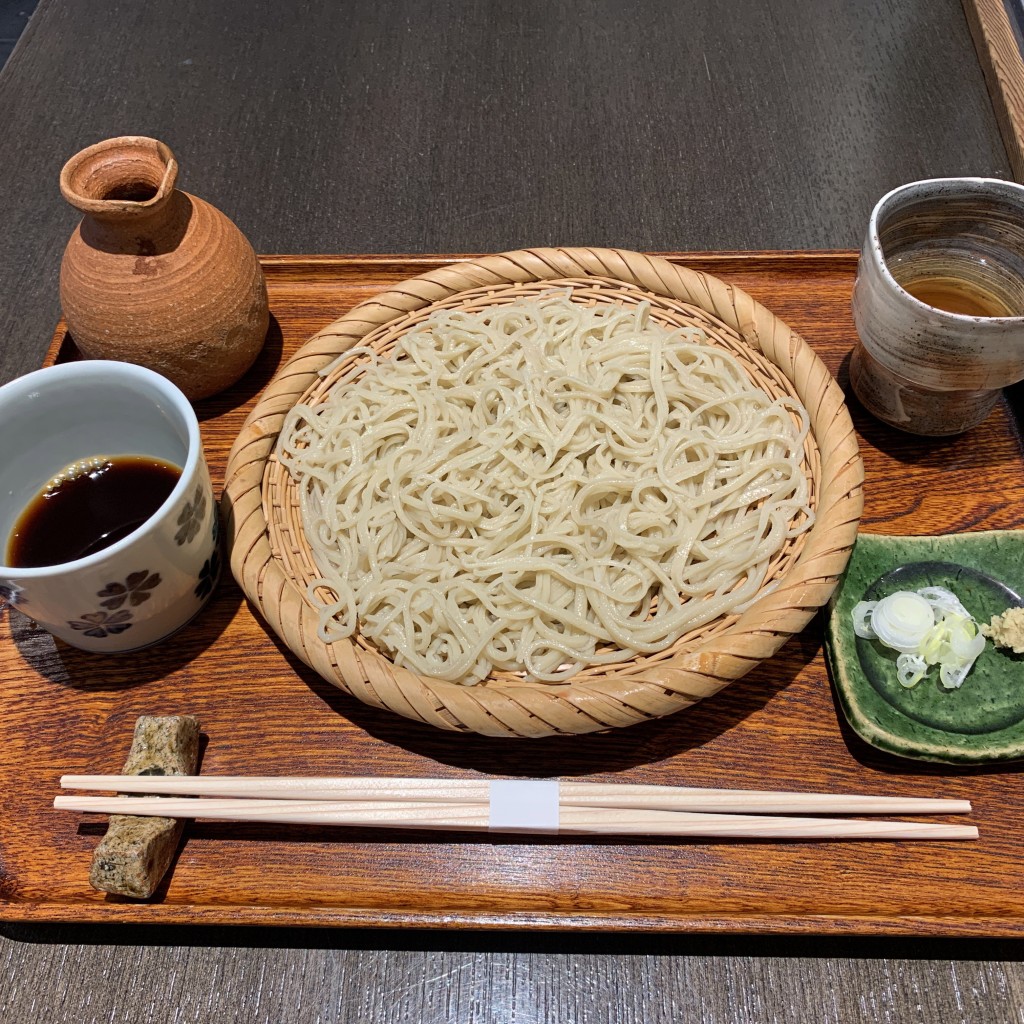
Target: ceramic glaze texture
[[156, 276], [925, 369], [147, 585], [982, 722]]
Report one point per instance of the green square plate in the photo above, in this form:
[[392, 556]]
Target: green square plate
[[980, 723]]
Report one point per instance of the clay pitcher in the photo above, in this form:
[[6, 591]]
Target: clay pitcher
[[155, 276]]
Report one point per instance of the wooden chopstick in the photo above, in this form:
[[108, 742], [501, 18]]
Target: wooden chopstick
[[571, 793], [474, 816]]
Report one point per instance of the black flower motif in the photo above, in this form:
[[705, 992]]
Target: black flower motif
[[209, 574], [191, 517], [101, 624], [135, 589]]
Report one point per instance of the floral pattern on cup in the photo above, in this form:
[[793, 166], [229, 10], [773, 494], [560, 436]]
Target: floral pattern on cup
[[122, 401], [135, 590], [101, 624], [191, 517], [209, 574]]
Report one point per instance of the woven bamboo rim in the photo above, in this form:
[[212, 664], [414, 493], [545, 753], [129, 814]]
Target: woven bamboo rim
[[272, 563]]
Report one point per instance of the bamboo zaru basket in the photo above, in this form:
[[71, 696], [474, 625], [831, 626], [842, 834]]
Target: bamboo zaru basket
[[272, 561]]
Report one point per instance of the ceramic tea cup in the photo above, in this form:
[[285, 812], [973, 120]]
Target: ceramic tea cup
[[939, 303], [58, 425]]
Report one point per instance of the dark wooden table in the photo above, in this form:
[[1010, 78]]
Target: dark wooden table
[[410, 126]]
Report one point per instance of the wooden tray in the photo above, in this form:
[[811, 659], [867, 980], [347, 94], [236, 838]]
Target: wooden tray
[[264, 712]]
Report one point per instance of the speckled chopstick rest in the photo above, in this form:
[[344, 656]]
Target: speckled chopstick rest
[[136, 852]]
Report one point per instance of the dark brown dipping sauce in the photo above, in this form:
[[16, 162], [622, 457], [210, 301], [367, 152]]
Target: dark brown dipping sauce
[[90, 510]]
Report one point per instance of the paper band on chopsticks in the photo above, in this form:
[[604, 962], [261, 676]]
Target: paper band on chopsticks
[[523, 805]]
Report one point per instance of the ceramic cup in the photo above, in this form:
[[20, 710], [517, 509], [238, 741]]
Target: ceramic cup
[[151, 582], [939, 303]]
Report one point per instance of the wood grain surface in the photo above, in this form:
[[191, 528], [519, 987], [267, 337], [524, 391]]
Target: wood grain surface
[[439, 127], [263, 712], [998, 43]]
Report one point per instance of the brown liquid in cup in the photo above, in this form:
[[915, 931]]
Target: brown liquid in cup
[[88, 508], [956, 296]]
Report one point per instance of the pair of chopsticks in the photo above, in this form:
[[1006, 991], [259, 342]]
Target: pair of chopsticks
[[524, 806]]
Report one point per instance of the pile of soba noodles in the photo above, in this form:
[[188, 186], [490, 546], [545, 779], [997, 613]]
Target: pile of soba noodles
[[542, 486]]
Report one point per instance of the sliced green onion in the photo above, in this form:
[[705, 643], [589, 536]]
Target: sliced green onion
[[902, 620], [910, 669], [944, 600], [862, 619], [926, 627], [952, 675]]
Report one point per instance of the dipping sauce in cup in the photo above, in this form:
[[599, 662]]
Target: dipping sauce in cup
[[107, 515], [939, 303], [88, 506]]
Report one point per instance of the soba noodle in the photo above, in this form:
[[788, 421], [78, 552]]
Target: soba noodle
[[542, 486]]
